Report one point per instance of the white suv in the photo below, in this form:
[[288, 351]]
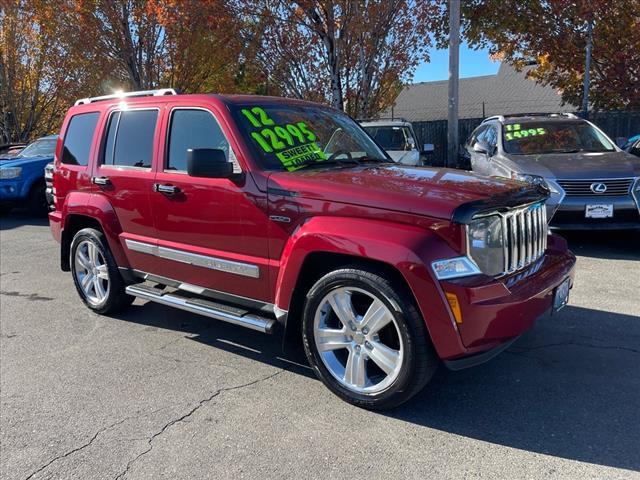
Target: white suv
[[398, 139]]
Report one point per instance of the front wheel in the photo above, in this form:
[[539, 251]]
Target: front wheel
[[95, 273], [37, 201], [365, 339]]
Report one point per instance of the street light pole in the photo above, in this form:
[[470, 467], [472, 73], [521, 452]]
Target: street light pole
[[452, 118], [587, 70]]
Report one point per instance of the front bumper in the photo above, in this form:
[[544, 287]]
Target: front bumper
[[10, 191], [496, 312], [570, 214]]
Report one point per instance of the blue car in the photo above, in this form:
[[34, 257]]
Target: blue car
[[22, 176]]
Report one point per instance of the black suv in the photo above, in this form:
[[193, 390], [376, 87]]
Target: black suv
[[592, 183]]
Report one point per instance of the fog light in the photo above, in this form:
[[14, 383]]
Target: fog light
[[455, 306]]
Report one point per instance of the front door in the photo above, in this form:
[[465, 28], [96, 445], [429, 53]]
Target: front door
[[211, 232]]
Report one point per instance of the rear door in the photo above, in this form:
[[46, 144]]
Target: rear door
[[124, 175], [212, 232]]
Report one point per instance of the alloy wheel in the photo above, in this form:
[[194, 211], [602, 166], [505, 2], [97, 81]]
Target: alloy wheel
[[91, 272], [358, 339]]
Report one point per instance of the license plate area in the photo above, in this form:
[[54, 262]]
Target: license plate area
[[599, 210], [561, 295]]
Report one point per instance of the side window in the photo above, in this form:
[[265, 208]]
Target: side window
[[491, 137], [129, 140], [78, 138], [192, 128], [475, 136]]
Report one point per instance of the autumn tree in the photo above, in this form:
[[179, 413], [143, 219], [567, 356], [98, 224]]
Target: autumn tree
[[40, 73], [352, 54], [554, 33]]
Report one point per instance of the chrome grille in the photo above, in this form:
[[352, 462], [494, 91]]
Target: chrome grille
[[614, 186], [525, 236]]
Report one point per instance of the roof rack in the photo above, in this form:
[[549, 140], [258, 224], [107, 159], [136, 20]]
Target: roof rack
[[142, 93], [393, 119], [494, 117], [532, 114]]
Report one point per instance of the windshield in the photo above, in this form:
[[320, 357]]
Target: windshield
[[553, 137], [291, 137], [40, 148], [392, 138]]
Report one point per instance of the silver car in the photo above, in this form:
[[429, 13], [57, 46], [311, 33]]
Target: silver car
[[397, 138], [592, 183]]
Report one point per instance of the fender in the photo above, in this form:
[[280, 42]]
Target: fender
[[28, 183], [98, 208], [408, 249]]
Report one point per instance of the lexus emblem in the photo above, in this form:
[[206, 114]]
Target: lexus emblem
[[598, 187]]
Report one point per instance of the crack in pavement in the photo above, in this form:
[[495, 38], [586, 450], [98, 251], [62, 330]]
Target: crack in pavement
[[575, 344], [82, 447], [187, 415]]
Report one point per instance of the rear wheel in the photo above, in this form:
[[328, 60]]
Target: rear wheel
[[96, 274], [366, 340]]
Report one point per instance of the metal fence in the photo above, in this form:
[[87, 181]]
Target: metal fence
[[615, 124]]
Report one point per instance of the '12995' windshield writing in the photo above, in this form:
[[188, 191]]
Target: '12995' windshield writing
[[292, 137]]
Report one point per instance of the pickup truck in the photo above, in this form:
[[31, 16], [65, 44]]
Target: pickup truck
[[284, 216]]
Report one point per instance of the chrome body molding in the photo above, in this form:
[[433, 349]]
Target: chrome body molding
[[213, 263]]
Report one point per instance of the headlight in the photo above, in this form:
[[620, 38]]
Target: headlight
[[534, 179], [637, 187], [10, 172], [486, 247]]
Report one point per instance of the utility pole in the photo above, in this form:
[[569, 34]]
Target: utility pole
[[587, 70], [452, 118]]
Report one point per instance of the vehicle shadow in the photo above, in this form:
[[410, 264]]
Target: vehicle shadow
[[19, 218], [570, 388], [614, 244]]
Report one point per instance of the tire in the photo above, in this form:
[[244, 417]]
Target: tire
[[95, 273], [37, 201], [340, 351]]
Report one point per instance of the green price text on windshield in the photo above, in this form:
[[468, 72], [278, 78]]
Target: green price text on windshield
[[518, 133], [273, 138]]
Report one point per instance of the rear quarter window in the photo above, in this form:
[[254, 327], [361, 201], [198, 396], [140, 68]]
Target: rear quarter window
[[78, 138]]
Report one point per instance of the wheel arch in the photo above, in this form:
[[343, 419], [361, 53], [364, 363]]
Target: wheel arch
[[85, 210], [402, 251]]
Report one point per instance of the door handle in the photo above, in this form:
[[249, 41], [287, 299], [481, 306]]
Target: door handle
[[100, 180], [166, 189]]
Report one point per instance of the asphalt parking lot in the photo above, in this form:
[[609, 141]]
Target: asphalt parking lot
[[158, 393]]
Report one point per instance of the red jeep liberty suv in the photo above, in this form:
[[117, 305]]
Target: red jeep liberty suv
[[278, 214]]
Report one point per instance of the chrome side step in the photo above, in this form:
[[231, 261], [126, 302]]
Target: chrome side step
[[204, 307]]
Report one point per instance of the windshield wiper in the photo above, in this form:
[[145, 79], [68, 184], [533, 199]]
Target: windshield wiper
[[374, 159]]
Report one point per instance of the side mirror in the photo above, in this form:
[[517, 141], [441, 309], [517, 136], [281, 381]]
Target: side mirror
[[428, 148], [479, 147], [208, 163]]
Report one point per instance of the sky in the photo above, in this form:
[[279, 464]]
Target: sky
[[472, 64]]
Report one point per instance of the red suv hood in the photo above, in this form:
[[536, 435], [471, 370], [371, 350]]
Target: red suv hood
[[423, 191]]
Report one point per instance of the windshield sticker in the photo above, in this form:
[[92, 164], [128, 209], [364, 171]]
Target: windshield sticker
[[281, 138], [297, 157], [515, 131]]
